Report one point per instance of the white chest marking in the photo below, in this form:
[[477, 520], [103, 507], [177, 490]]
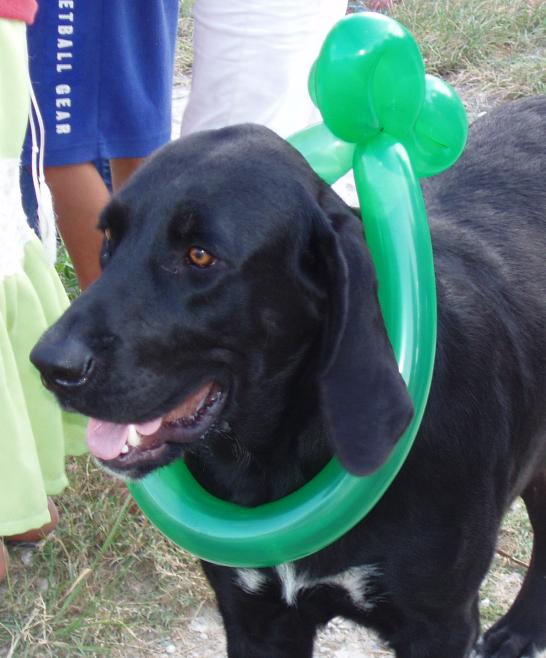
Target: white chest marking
[[354, 581], [251, 581]]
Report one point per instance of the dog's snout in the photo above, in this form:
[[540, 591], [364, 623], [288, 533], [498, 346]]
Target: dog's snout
[[66, 364]]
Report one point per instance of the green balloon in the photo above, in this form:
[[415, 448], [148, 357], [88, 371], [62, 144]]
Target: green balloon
[[390, 123], [369, 78], [439, 135], [329, 156]]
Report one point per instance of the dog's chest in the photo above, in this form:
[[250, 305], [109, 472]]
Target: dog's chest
[[353, 581]]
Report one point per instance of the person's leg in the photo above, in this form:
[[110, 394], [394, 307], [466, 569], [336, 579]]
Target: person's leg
[[28, 536], [4, 561], [38, 533], [79, 195], [122, 169], [252, 62]]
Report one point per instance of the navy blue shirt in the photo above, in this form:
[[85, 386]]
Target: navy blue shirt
[[102, 72]]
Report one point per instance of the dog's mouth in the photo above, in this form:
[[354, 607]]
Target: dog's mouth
[[126, 446]]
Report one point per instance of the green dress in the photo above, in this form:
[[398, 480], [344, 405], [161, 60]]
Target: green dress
[[35, 435]]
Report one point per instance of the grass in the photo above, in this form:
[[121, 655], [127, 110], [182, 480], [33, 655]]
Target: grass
[[106, 583], [65, 269], [184, 50], [507, 573], [499, 45]]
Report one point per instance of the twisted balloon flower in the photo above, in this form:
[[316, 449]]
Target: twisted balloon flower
[[392, 124], [369, 81]]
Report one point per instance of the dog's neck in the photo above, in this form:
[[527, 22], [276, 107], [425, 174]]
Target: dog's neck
[[249, 475]]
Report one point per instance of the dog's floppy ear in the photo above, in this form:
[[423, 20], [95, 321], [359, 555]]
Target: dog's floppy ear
[[366, 403]]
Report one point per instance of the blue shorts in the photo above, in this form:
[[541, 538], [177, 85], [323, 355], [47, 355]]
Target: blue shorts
[[102, 72]]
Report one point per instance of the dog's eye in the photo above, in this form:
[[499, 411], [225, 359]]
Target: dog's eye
[[200, 257], [106, 250]]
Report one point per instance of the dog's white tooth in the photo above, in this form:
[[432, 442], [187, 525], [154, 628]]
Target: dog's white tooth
[[134, 438], [125, 449]]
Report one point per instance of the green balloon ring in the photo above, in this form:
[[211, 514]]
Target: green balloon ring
[[352, 79]]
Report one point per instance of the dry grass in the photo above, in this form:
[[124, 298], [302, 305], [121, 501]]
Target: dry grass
[[107, 583], [501, 44], [184, 50]]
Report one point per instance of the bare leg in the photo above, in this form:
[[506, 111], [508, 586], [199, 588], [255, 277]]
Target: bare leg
[[4, 561], [122, 169], [79, 195]]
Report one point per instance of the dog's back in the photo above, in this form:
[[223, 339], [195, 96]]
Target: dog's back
[[494, 198], [488, 222]]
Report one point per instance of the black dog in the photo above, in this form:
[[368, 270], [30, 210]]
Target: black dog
[[237, 324]]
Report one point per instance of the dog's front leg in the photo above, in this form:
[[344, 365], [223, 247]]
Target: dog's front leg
[[258, 623], [439, 634], [281, 636], [522, 631]]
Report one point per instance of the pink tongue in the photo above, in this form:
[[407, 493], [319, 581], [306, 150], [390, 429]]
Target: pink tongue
[[106, 440], [148, 428]]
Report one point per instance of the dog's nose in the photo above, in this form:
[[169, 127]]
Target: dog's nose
[[66, 364]]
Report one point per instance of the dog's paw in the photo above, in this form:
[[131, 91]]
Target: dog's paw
[[503, 641], [476, 651]]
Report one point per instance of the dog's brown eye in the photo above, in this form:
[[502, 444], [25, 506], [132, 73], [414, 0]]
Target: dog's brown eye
[[106, 249], [200, 257]]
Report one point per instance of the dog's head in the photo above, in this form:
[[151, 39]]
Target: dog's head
[[237, 293]]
